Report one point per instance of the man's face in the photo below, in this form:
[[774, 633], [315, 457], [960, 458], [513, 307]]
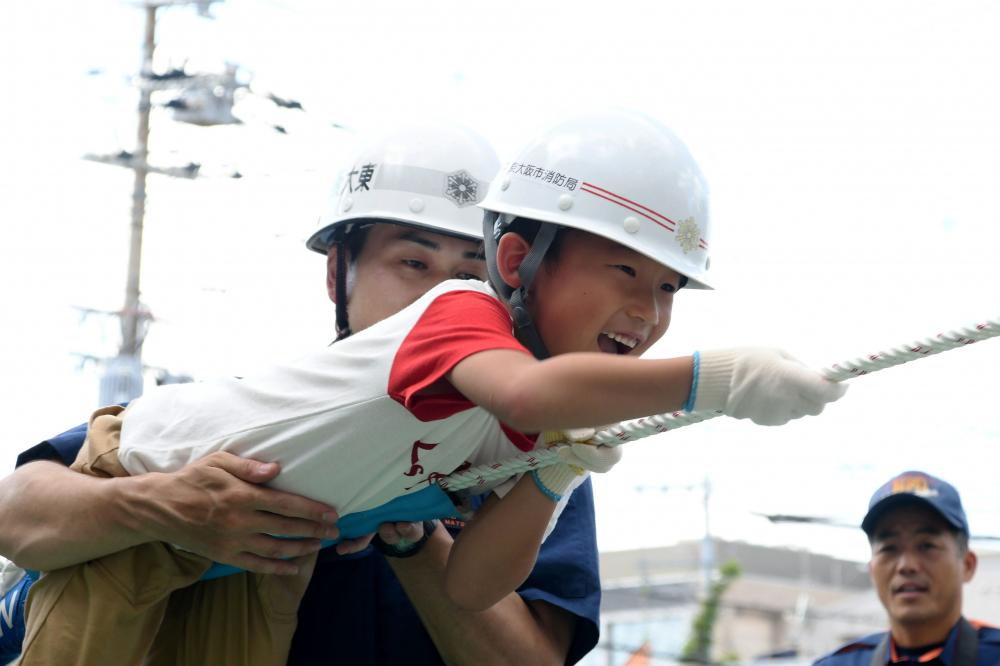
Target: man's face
[[397, 265], [599, 296], [918, 567]]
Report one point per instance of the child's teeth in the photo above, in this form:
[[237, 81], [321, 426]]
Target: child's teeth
[[628, 342]]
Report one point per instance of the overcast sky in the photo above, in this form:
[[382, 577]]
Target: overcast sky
[[852, 150]]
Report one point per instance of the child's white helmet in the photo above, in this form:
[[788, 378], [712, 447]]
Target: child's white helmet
[[620, 175], [429, 176]]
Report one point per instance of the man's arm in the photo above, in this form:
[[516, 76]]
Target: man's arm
[[54, 517], [512, 631]]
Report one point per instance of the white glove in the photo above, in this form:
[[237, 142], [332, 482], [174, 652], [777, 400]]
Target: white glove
[[577, 458], [583, 453], [555, 479], [592, 457], [767, 386]]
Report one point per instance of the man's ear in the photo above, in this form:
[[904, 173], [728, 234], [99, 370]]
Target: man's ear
[[331, 272], [511, 251], [969, 560]]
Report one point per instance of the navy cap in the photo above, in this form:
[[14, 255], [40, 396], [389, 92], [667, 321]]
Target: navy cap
[[921, 488]]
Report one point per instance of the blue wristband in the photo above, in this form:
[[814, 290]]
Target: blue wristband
[[696, 362], [555, 497]]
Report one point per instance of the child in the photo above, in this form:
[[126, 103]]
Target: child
[[592, 232], [390, 252]]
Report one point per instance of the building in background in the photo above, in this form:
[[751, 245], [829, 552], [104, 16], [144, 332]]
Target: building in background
[[787, 607]]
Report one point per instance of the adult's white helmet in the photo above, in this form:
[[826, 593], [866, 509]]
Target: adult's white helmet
[[620, 175], [429, 176]]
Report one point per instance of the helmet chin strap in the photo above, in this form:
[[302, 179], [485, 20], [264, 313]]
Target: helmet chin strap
[[343, 325], [524, 324]]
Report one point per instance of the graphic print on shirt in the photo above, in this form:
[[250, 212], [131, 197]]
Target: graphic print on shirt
[[415, 467], [434, 476]]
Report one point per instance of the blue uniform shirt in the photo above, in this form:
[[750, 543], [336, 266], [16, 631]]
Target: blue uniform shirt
[[356, 612], [62, 448], [859, 652]]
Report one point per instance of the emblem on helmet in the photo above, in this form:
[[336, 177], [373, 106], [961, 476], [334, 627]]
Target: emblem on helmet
[[462, 188], [688, 234]]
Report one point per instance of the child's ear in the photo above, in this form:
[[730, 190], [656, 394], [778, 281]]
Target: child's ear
[[511, 251], [331, 272]]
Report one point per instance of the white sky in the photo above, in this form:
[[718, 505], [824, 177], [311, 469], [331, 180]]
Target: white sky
[[852, 149]]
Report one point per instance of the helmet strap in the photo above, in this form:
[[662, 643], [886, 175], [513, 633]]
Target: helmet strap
[[524, 324], [343, 325]]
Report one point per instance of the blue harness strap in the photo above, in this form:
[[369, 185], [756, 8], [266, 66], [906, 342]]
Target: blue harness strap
[[426, 504]]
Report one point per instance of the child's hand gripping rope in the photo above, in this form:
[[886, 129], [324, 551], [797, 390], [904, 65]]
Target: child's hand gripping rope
[[734, 399], [576, 453], [768, 386], [644, 427]]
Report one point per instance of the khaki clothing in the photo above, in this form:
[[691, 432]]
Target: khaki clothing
[[146, 604]]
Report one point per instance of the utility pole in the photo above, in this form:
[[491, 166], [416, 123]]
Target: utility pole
[[122, 376], [707, 544], [202, 99], [132, 314]]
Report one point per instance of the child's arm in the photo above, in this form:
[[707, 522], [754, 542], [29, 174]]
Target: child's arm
[[585, 389], [571, 390], [495, 553], [496, 550]]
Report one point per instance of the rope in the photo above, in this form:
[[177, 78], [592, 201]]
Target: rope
[[629, 431]]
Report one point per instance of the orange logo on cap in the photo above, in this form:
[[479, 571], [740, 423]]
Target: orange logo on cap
[[912, 485]]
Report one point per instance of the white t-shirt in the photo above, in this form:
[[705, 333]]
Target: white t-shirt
[[349, 424]]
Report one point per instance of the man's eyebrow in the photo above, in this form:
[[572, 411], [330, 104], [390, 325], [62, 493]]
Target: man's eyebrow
[[889, 533], [478, 254], [417, 238], [886, 533], [930, 529]]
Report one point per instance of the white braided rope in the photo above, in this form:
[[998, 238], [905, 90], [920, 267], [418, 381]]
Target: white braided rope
[[630, 431], [911, 352]]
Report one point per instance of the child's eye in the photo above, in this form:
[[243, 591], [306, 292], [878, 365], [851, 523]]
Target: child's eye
[[667, 287], [467, 276], [627, 270], [415, 264]]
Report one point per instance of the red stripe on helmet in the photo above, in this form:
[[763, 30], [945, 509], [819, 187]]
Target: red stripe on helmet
[[637, 212], [634, 203]]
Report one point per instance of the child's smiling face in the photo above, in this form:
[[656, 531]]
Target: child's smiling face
[[600, 296]]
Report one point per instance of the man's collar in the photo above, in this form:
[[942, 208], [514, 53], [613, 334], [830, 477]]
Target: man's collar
[[945, 653], [921, 659]]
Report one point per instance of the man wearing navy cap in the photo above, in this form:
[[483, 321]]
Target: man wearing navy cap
[[920, 559]]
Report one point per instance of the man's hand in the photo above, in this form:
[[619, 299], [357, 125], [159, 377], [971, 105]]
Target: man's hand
[[400, 534], [348, 546], [218, 508]]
